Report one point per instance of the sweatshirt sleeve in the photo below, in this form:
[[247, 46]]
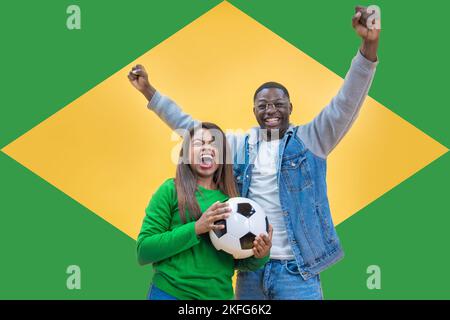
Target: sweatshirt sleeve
[[250, 264], [326, 130], [156, 241], [172, 115]]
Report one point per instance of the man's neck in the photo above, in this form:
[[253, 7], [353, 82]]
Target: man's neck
[[272, 135]]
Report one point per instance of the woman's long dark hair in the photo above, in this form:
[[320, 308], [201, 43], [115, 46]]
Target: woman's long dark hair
[[186, 178]]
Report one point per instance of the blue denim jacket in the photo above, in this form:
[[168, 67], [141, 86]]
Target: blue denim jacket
[[303, 198], [302, 169]]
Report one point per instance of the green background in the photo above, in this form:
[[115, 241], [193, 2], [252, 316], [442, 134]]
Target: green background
[[45, 66]]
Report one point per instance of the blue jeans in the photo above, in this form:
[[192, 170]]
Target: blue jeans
[[278, 280], [157, 294]]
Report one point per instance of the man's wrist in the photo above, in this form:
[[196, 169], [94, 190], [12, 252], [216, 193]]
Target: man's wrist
[[369, 50]]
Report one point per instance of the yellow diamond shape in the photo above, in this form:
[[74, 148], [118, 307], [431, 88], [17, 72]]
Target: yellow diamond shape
[[109, 153]]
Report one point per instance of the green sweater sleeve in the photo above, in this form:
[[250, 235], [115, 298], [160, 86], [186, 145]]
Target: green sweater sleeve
[[156, 241], [250, 264]]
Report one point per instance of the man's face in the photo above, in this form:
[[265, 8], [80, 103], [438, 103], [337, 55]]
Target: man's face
[[272, 109]]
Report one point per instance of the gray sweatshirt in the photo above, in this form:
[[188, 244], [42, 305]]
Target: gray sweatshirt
[[321, 135]]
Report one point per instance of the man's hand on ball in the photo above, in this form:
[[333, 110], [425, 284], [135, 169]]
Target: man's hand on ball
[[262, 244], [139, 79], [218, 211]]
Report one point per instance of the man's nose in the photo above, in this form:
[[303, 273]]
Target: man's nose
[[270, 110]]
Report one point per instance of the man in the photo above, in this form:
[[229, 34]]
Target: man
[[283, 168]]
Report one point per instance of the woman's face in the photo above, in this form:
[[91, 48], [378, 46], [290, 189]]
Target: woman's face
[[204, 153]]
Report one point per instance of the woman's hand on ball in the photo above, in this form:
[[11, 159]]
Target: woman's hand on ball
[[218, 211], [262, 244]]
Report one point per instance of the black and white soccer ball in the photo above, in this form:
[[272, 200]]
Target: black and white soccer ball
[[246, 221]]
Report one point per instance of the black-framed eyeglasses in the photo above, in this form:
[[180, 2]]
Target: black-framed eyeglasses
[[276, 106]]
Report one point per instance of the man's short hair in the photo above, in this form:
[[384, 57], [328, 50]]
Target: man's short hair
[[271, 84]]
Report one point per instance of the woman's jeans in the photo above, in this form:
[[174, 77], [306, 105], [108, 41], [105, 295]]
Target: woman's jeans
[[277, 280], [157, 294]]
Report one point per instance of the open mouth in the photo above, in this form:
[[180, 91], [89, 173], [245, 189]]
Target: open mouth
[[272, 122], [206, 161]]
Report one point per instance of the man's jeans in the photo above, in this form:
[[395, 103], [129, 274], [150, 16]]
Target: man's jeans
[[278, 280]]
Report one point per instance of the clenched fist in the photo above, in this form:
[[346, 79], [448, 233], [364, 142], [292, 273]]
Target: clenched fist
[[366, 23], [139, 79]]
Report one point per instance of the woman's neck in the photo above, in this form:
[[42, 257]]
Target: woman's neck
[[207, 182]]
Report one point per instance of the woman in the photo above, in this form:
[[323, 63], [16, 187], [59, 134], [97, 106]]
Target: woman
[[174, 235]]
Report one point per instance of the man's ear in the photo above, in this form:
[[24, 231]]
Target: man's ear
[[291, 108]]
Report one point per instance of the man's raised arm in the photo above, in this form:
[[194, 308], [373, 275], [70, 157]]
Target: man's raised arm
[[327, 129]]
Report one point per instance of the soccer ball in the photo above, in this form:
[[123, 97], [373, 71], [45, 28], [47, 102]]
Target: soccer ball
[[247, 220]]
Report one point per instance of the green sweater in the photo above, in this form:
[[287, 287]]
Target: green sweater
[[186, 266]]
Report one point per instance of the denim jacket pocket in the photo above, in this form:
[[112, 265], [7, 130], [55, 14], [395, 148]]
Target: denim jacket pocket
[[295, 172], [325, 225]]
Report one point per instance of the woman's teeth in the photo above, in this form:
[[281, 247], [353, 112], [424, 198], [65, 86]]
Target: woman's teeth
[[206, 161], [207, 158]]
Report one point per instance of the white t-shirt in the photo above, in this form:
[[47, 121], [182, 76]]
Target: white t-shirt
[[264, 190]]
